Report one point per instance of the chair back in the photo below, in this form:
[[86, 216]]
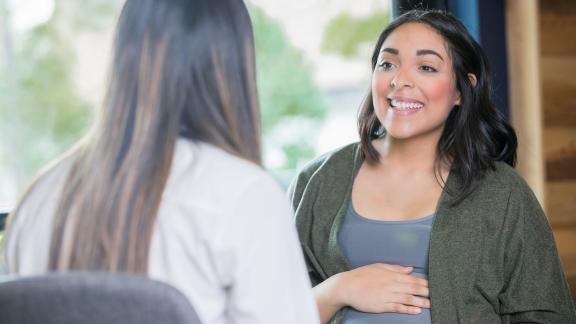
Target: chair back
[[92, 298]]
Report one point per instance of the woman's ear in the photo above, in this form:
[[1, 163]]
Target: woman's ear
[[472, 79]]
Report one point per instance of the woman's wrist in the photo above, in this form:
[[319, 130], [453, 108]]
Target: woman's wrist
[[329, 296], [337, 290]]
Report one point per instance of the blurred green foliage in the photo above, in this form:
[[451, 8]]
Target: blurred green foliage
[[286, 89], [96, 14], [345, 34], [40, 97], [285, 83], [41, 102], [52, 115]]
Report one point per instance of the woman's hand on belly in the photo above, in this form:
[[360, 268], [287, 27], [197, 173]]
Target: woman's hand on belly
[[374, 288], [381, 288]]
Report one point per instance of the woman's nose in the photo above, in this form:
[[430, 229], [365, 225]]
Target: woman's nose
[[400, 80]]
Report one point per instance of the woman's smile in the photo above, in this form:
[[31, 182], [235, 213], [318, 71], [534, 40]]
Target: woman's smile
[[404, 106]]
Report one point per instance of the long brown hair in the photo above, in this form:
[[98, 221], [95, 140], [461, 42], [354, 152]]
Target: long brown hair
[[181, 68]]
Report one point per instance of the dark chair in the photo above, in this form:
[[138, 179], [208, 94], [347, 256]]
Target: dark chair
[[92, 298]]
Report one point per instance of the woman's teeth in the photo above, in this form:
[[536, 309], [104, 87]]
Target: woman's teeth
[[405, 105]]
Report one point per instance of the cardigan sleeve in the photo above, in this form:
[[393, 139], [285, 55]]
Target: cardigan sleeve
[[536, 290], [296, 188], [299, 185], [296, 193]]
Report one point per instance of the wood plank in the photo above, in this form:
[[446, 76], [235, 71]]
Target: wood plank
[[566, 244], [560, 153], [561, 167], [558, 139], [561, 203], [557, 34], [557, 20], [559, 7], [560, 160], [558, 69], [558, 90], [559, 104]]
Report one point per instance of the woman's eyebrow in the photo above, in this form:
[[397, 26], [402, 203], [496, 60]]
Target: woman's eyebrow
[[418, 52], [389, 50], [428, 52]]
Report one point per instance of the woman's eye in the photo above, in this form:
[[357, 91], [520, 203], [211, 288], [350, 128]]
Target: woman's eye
[[385, 65], [428, 68]]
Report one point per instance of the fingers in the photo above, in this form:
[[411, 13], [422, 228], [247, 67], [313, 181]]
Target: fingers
[[407, 283], [396, 268], [412, 289], [404, 309], [409, 279], [411, 300]]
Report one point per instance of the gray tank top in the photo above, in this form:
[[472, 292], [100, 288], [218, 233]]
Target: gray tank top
[[365, 241]]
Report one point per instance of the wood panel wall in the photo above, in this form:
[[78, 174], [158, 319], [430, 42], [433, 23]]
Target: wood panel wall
[[542, 63], [557, 28]]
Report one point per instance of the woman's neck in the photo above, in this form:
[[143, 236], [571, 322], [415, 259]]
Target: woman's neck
[[416, 154]]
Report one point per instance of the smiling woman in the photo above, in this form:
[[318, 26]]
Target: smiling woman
[[425, 220], [413, 89]]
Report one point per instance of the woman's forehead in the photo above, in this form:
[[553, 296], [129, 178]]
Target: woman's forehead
[[412, 37]]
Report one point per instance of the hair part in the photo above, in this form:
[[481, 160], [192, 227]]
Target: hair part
[[476, 134]]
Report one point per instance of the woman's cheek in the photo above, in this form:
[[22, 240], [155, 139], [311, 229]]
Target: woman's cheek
[[380, 89], [441, 93]]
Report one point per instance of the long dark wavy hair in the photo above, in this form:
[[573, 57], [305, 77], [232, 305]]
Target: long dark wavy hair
[[181, 68], [476, 134]]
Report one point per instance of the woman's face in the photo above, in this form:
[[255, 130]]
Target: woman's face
[[413, 84]]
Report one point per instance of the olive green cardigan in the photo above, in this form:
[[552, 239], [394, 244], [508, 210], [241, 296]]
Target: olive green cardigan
[[492, 257]]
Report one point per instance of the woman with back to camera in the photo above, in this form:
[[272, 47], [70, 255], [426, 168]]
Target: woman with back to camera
[[425, 220], [169, 181]]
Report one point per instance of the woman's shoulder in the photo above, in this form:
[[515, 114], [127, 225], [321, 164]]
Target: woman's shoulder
[[220, 194], [334, 167], [205, 171], [505, 177], [31, 218], [48, 183], [503, 186]]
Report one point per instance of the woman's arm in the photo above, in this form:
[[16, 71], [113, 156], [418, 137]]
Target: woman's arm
[[535, 290], [375, 288]]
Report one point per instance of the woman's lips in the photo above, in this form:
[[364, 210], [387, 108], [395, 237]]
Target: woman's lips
[[404, 107]]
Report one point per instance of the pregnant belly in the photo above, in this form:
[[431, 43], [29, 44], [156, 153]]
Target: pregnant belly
[[355, 317]]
